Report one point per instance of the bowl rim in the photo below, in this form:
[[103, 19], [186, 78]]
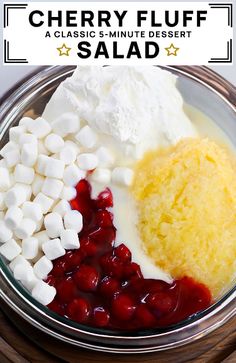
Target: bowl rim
[[216, 84]]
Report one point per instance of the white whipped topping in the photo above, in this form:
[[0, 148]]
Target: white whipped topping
[[139, 108]]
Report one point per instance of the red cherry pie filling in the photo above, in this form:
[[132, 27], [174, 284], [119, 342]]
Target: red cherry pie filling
[[99, 285]]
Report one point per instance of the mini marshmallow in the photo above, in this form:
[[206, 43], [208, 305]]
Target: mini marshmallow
[[4, 179], [73, 220], [87, 161], [32, 210], [42, 150], [30, 247], [72, 175], [45, 202], [62, 207], [25, 121], [13, 217], [25, 229], [10, 249], [52, 187], [122, 176], [17, 195], [68, 193], [25, 189], [23, 272], [68, 155], [54, 143], [41, 237], [67, 123], [105, 157], [53, 249], [31, 280], [42, 267], [7, 148], [27, 139], [101, 175], [2, 215], [42, 163], [43, 292], [2, 201], [19, 260], [73, 145], [15, 132], [37, 184], [53, 224], [69, 239], [39, 225], [54, 168], [29, 154], [5, 232], [86, 137], [12, 158], [39, 127], [26, 275], [24, 174]]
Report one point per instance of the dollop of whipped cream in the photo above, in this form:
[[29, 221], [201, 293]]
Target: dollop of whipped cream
[[138, 108]]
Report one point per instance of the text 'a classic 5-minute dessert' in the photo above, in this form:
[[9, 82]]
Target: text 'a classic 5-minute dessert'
[[115, 212]]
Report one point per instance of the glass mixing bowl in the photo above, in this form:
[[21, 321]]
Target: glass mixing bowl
[[202, 89]]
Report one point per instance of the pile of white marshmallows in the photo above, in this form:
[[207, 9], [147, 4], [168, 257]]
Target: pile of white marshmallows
[[40, 167]]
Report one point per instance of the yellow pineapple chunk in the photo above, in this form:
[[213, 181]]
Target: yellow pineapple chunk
[[186, 200]]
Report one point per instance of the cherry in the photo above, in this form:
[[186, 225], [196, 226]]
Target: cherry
[[84, 206], [144, 316], [113, 267], [123, 307], [123, 253], [83, 202], [160, 302], [79, 310], [109, 286], [103, 235], [90, 248], [86, 278], [104, 218], [83, 188], [57, 307], [104, 199], [66, 290], [101, 317], [156, 286], [104, 259], [132, 270], [73, 259], [58, 268]]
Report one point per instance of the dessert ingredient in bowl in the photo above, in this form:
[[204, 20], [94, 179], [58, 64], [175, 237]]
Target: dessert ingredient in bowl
[[100, 285], [186, 197], [138, 108]]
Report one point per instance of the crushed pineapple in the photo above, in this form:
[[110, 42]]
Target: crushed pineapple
[[186, 200]]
